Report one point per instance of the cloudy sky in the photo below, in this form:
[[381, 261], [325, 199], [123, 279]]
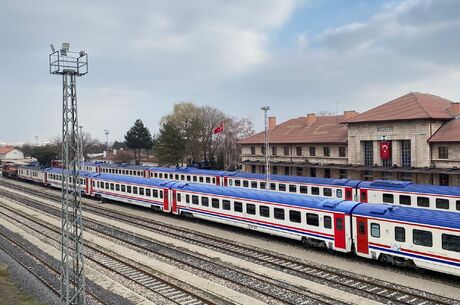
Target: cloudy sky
[[296, 56]]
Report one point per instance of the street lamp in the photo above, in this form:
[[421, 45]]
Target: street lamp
[[106, 131], [267, 159]]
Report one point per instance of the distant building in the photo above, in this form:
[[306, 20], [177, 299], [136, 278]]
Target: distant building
[[10, 153], [422, 132]]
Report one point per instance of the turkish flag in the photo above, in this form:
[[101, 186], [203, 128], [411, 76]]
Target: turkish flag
[[219, 128], [385, 150]]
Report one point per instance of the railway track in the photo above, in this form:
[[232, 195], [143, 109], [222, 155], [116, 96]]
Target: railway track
[[374, 289]]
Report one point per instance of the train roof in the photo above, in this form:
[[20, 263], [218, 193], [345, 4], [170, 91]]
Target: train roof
[[123, 165], [189, 170], [56, 170], [408, 214], [300, 179], [134, 180], [336, 205], [404, 186], [32, 167]]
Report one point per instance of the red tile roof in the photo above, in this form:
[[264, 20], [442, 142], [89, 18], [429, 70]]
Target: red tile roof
[[448, 132], [6, 149], [326, 129], [407, 107]]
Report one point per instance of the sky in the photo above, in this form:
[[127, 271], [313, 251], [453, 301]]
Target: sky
[[297, 56]]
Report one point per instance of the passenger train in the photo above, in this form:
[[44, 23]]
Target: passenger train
[[380, 191], [396, 234]]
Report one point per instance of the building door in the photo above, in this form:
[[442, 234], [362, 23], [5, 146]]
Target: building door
[[444, 179]]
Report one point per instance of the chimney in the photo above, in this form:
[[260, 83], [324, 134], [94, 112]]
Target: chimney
[[311, 119], [271, 122], [349, 114], [454, 109]]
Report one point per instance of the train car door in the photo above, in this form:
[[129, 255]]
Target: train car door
[[146, 174], [165, 200], [87, 186], [363, 195], [45, 178], [339, 231], [174, 202], [225, 181], [361, 233], [348, 193], [217, 180]]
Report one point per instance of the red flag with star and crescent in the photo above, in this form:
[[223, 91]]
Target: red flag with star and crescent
[[385, 150], [219, 128]]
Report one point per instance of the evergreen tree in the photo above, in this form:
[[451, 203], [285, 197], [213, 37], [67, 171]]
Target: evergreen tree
[[44, 154], [137, 138], [170, 145]]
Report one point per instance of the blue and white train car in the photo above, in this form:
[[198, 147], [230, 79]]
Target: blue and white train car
[[53, 177], [429, 239], [315, 221], [426, 196], [190, 174]]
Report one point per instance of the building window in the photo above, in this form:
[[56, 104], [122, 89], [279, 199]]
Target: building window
[[312, 172], [405, 153], [387, 175], [262, 150], [444, 179], [312, 151], [368, 153], [275, 170], [299, 171], [327, 173], [368, 175], [274, 151], [286, 150], [327, 151], [253, 150], [253, 168], [342, 151], [286, 171], [443, 153], [298, 151], [406, 177], [343, 174]]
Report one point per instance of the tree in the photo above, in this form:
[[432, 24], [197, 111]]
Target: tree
[[119, 145], [170, 145], [27, 149], [44, 154], [138, 137]]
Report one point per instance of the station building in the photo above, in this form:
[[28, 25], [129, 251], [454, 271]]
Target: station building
[[415, 137]]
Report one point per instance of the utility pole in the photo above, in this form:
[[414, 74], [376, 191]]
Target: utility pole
[[82, 158], [106, 131], [267, 147], [70, 65]]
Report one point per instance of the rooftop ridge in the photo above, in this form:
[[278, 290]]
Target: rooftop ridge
[[420, 105]]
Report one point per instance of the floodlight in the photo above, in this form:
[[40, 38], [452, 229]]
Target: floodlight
[[53, 50], [65, 46], [82, 53]]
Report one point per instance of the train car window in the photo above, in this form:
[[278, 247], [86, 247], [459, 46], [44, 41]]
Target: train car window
[[208, 180], [315, 190], [375, 230], [245, 183], [400, 234], [112, 186], [254, 184], [189, 178], [327, 192], [282, 187], [215, 203], [451, 242], [238, 207], [160, 175], [338, 193], [187, 198], [155, 193], [182, 177], [264, 211], [303, 189], [262, 185], [362, 227], [131, 173], [442, 203], [176, 177], [155, 175], [148, 192], [237, 183], [135, 190], [226, 204], [423, 202], [278, 213], [327, 222], [161, 194], [107, 186], [457, 205], [250, 208], [388, 198], [422, 238], [141, 191], [117, 187], [195, 199], [292, 188], [213, 180], [230, 182], [312, 219], [171, 176], [404, 199], [205, 201], [294, 216], [98, 184], [178, 197], [273, 186], [201, 179], [194, 179]]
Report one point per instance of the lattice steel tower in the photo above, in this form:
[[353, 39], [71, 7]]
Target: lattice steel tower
[[70, 65]]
